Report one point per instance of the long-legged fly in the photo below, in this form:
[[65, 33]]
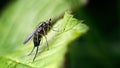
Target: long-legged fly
[[37, 34]]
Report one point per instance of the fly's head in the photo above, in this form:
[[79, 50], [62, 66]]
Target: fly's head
[[44, 25], [49, 22]]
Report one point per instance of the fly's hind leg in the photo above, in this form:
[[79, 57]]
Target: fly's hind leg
[[36, 53], [31, 51]]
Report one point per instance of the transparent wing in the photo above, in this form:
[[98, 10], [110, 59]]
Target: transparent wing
[[29, 37]]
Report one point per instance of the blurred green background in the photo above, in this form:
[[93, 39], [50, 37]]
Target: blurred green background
[[100, 46]]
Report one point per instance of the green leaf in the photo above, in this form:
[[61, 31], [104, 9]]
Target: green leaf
[[17, 22], [58, 42], [21, 17]]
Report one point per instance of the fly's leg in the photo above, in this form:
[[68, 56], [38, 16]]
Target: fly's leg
[[36, 41], [36, 53], [31, 51], [34, 45], [44, 33], [53, 29], [46, 41]]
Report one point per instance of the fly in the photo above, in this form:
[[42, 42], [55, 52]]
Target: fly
[[37, 34]]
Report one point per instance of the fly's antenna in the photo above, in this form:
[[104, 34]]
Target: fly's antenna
[[49, 20]]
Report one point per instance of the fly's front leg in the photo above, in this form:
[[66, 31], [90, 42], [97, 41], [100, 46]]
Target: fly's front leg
[[44, 33], [53, 29]]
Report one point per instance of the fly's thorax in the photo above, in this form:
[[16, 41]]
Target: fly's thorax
[[45, 25]]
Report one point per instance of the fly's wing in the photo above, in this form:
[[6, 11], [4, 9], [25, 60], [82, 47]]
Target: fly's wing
[[29, 37]]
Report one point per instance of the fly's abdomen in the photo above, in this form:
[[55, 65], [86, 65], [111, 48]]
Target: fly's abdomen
[[36, 39]]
